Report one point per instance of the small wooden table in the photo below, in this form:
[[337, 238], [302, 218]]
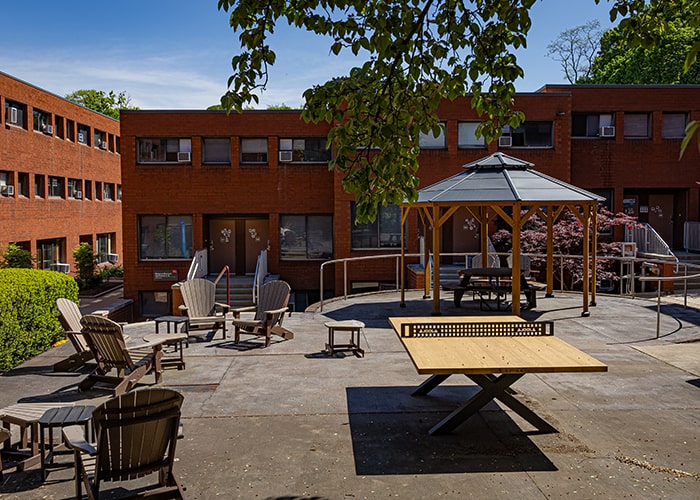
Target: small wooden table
[[481, 347], [354, 327], [59, 417], [175, 339]]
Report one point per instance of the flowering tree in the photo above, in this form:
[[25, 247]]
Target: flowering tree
[[567, 234]]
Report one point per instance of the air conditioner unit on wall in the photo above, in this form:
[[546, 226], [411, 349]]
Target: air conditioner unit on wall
[[286, 156], [184, 156], [60, 267], [112, 257], [13, 116], [48, 130], [607, 131], [505, 141], [78, 195], [81, 137], [103, 145], [7, 190]]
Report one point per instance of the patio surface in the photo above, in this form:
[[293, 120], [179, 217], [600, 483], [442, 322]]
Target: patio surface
[[291, 422]]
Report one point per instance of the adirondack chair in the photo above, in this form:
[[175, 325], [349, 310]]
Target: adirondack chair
[[269, 313], [200, 306], [105, 339], [69, 316], [136, 434], [4, 436]]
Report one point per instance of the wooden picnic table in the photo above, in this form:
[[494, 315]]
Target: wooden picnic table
[[492, 351]]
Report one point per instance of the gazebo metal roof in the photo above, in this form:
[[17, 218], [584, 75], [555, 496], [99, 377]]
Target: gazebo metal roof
[[503, 179], [502, 185]]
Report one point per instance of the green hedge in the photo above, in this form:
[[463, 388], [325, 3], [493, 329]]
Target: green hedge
[[28, 315]]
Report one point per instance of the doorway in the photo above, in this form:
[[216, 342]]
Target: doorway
[[236, 242], [661, 216]]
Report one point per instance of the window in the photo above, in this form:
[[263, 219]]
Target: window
[[59, 128], [304, 237], [116, 144], [216, 150], [385, 232], [165, 237], [431, 141], [637, 125], [105, 246], [466, 136], [119, 192], [673, 125], [589, 125], [75, 189], [83, 134], [87, 194], [530, 135], [50, 252], [110, 142], [154, 304], [39, 186], [70, 130], [14, 113], [42, 122], [23, 184], [308, 150], [108, 191], [6, 184], [98, 190], [163, 150], [100, 139], [254, 150], [55, 187]]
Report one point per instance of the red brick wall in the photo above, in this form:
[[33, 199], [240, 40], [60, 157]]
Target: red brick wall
[[25, 150]]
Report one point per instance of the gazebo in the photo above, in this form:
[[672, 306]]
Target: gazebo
[[501, 185]]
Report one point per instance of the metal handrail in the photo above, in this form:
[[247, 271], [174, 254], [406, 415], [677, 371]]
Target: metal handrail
[[659, 279], [227, 271]]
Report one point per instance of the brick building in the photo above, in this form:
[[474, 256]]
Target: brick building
[[60, 176], [236, 184]]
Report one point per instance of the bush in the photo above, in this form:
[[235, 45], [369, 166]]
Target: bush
[[28, 315], [86, 265], [16, 257]]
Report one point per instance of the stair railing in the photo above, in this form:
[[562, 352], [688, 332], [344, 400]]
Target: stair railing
[[260, 273], [225, 271], [198, 266]]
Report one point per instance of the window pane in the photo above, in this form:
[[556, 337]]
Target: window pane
[[431, 141], [466, 135], [673, 126], [216, 150], [165, 236], [636, 125], [319, 237], [389, 226], [253, 150], [292, 237]]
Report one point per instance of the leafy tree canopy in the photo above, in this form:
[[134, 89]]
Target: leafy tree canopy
[[106, 103], [416, 53]]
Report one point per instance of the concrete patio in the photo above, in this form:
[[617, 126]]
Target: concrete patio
[[292, 422]]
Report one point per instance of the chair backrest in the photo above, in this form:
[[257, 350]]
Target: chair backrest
[[525, 264], [493, 261], [105, 339], [69, 316], [273, 295], [198, 296], [136, 434]]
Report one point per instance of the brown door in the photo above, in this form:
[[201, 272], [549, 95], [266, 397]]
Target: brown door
[[661, 216], [222, 245], [257, 238]]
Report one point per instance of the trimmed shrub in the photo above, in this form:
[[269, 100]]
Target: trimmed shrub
[[28, 315]]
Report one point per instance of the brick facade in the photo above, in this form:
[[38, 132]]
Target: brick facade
[[49, 151], [646, 170]]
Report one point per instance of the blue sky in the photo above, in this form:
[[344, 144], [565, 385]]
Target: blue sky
[[176, 54]]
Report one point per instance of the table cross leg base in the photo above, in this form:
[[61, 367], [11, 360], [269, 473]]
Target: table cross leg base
[[492, 387]]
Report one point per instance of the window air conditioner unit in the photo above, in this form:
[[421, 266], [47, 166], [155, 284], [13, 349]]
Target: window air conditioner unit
[[607, 131], [81, 137], [184, 156], [7, 190], [13, 117], [103, 145], [286, 156], [48, 130], [78, 195], [505, 141], [60, 267], [112, 257]]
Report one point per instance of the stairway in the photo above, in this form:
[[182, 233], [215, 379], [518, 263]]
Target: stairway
[[241, 291]]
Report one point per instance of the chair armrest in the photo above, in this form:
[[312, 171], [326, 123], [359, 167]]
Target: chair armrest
[[74, 435], [224, 307], [237, 312], [183, 309], [276, 311]]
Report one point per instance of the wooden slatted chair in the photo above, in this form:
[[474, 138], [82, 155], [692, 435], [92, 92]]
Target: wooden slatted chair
[[136, 434], [4, 436], [105, 339], [200, 306], [269, 313], [69, 316]]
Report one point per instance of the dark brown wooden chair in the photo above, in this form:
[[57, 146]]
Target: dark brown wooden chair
[[69, 315], [136, 434]]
